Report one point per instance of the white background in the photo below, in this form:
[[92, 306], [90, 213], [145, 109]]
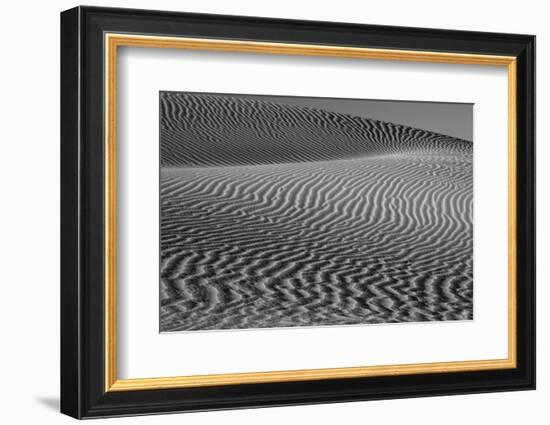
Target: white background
[[143, 72], [29, 224]]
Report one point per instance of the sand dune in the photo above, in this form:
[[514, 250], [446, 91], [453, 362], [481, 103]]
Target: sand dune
[[277, 215], [210, 130]]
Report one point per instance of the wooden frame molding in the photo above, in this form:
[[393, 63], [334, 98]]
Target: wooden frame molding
[[114, 40]]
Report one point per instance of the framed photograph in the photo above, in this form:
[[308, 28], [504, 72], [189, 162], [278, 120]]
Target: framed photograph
[[261, 212]]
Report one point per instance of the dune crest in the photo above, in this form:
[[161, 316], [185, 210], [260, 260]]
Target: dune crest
[[202, 130]]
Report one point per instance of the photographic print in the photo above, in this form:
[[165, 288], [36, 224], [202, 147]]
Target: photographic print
[[256, 183], [282, 211]]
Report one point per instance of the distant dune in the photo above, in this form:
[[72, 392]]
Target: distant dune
[[276, 215], [213, 130]]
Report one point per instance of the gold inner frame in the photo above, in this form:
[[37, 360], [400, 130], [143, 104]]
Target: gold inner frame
[[113, 41]]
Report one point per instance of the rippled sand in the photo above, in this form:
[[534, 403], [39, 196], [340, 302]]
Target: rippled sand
[[277, 216]]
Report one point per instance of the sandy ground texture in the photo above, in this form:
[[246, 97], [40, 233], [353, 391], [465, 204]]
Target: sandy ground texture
[[275, 215]]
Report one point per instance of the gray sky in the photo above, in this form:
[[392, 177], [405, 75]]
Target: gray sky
[[452, 119]]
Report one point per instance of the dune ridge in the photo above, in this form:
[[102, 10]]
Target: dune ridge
[[199, 130]]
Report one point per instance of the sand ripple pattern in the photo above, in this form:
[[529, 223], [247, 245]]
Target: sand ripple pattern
[[275, 216]]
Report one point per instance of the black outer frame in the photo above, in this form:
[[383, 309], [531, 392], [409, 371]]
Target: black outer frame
[[82, 218]]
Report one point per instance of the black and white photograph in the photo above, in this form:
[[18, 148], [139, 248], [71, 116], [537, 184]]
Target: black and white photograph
[[307, 207], [281, 211]]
